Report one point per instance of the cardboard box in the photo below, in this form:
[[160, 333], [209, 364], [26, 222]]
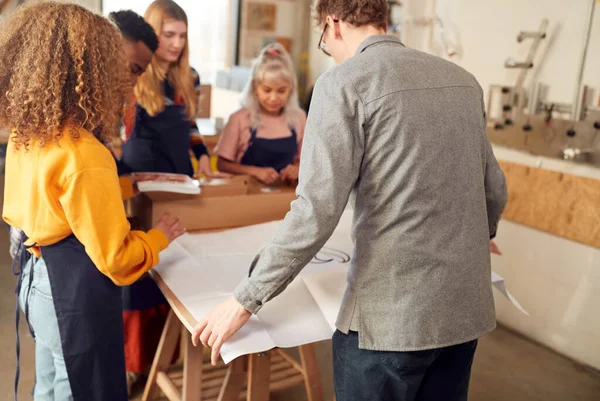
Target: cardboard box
[[227, 203]]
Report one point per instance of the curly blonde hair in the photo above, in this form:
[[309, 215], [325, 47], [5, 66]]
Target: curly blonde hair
[[149, 91], [67, 65]]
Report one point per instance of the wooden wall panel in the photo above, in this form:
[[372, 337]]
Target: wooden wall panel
[[561, 204]]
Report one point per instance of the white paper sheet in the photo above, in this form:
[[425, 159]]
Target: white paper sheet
[[327, 288], [500, 285], [202, 270]]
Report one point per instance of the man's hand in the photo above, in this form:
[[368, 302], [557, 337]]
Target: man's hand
[[204, 168], [494, 248], [219, 325]]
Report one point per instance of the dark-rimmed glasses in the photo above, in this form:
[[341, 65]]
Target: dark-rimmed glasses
[[323, 46]]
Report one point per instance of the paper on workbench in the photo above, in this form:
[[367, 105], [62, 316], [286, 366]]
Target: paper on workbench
[[203, 269], [327, 288], [500, 285]]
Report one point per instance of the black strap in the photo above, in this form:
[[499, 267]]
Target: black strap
[[254, 131]]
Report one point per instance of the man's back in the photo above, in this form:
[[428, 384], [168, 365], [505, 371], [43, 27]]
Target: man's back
[[406, 132], [421, 271]]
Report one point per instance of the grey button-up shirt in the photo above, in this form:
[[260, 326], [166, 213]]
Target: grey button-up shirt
[[406, 131]]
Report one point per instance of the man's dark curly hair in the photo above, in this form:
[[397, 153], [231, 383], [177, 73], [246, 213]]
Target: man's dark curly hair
[[135, 28]]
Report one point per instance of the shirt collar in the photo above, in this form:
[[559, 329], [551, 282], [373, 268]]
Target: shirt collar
[[376, 39]]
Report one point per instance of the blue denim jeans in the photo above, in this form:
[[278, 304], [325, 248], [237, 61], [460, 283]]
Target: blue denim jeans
[[434, 375], [52, 381]]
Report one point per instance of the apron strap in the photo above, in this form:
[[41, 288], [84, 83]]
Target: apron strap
[[253, 132]]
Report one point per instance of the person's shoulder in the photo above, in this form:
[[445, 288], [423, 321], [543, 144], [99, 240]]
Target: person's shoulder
[[297, 119], [300, 116], [337, 75], [340, 82], [436, 68], [241, 116], [84, 149]]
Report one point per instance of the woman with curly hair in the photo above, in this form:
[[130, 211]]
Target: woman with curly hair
[[61, 96]]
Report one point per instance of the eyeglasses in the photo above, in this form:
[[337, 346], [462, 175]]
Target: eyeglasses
[[323, 46]]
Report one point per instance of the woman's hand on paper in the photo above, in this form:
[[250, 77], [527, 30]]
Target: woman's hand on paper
[[222, 322], [170, 226], [290, 173], [204, 168], [266, 175]]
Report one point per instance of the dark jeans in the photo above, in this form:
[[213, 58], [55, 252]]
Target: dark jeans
[[440, 374]]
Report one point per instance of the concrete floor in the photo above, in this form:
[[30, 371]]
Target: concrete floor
[[507, 366]]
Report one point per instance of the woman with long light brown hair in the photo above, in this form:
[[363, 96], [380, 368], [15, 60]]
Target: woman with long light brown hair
[[61, 95], [160, 141], [167, 102]]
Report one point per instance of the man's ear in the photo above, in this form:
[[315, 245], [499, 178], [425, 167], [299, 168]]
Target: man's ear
[[338, 33], [330, 20]]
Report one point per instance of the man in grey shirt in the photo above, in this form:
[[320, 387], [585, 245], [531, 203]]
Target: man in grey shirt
[[406, 131]]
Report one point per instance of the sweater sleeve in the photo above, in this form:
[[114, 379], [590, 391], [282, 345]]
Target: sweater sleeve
[[93, 205]]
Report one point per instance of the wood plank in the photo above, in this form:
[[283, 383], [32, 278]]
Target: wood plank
[[215, 374], [284, 374], [284, 384], [208, 371], [274, 386], [167, 386], [289, 382], [258, 377], [289, 359], [276, 367], [214, 378], [234, 380], [164, 355], [312, 377], [564, 205], [177, 307], [192, 370]]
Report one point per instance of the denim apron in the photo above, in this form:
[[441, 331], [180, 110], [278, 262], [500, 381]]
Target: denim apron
[[275, 153], [88, 308], [160, 144]]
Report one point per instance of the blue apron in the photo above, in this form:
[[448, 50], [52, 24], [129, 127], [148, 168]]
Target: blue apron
[[88, 308], [160, 144], [275, 153]]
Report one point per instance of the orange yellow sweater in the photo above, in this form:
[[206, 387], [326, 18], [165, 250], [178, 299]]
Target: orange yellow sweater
[[54, 191]]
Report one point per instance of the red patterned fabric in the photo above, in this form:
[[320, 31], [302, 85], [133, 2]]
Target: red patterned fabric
[[142, 334]]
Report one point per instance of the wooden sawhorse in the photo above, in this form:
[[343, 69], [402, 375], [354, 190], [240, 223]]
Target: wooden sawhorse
[[249, 377]]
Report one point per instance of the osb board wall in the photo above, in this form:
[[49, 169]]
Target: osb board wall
[[561, 204]]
